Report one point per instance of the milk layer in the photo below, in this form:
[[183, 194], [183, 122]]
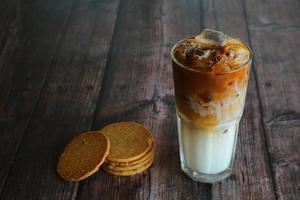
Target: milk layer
[[206, 151]]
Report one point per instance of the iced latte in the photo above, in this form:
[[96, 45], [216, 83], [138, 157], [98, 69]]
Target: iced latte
[[211, 74]]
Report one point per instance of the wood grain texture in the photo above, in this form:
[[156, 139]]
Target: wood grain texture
[[24, 63], [139, 87], [128, 91], [251, 178], [176, 25], [73, 65], [8, 18], [123, 95], [67, 102], [274, 31]]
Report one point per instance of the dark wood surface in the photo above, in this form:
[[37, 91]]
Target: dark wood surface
[[67, 66]]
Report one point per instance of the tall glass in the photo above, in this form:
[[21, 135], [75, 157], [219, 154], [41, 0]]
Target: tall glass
[[209, 107]]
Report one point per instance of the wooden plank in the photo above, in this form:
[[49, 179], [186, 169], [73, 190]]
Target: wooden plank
[[9, 18], [24, 63], [8, 10], [139, 87], [252, 178], [177, 24], [67, 102], [132, 66], [274, 30]]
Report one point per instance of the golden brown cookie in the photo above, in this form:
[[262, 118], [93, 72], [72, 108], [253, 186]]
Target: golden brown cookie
[[83, 156], [129, 141], [130, 172], [146, 157], [128, 167]]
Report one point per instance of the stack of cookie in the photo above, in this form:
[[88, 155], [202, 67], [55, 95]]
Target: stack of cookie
[[122, 149], [132, 149]]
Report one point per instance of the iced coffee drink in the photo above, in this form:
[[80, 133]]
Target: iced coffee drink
[[211, 74]]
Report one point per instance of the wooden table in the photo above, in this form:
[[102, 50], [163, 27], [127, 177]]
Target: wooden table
[[68, 66]]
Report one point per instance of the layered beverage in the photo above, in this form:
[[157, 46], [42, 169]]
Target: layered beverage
[[211, 74]]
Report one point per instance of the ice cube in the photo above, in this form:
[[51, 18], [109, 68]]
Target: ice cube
[[202, 110], [197, 57], [242, 56], [236, 55], [211, 37]]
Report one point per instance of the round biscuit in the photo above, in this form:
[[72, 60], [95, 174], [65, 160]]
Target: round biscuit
[[129, 141], [83, 156], [130, 172], [128, 167], [146, 157]]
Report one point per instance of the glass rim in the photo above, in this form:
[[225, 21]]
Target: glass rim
[[207, 72]]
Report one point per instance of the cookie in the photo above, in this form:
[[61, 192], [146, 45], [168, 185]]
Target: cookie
[[128, 167], [129, 141], [130, 172], [83, 156], [146, 157]]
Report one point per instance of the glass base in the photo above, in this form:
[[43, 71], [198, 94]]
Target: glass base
[[205, 178], [207, 155]]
